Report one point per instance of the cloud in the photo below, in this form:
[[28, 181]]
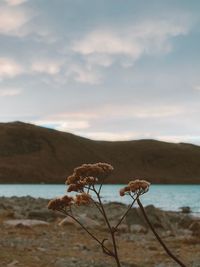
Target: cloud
[[197, 87], [83, 74], [132, 42], [9, 91], [9, 68], [46, 66], [108, 136], [99, 60], [179, 138], [106, 42], [64, 125], [12, 19], [137, 111], [15, 2]]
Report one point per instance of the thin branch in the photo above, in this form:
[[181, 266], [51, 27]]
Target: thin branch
[[98, 207], [109, 227], [99, 191], [105, 249], [157, 236], [122, 218], [95, 203]]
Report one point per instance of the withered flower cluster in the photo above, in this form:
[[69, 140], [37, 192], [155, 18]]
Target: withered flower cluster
[[137, 187], [86, 175], [60, 203], [67, 201], [83, 177], [83, 199]]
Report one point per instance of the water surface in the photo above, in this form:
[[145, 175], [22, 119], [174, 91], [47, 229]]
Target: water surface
[[167, 197]]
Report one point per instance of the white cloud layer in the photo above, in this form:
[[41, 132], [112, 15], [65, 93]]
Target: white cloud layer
[[9, 68], [12, 19], [9, 92], [83, 74], [46, 66], [15, 2], [145, 38], [64, 125]]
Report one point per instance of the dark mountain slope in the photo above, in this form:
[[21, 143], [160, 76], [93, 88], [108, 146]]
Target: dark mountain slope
[[33, 154]]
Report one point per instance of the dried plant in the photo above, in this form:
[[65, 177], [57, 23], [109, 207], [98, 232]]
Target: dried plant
[[83, 181]]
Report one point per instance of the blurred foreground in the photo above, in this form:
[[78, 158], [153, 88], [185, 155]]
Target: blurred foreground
[[31, 235]]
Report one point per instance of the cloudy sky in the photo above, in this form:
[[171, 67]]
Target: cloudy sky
[[103, 69]]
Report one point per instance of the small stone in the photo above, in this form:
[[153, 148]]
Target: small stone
[[136, 228], [83, 219], [123, 228], [26, 223], [41, 249], [185, 209], [13, 263], [195, 227]]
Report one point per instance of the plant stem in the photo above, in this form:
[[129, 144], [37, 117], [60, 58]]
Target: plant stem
[[122, 218], [108, 252], [157, 236], [110, 228]]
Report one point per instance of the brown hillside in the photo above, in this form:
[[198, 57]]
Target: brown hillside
[[32, 154]]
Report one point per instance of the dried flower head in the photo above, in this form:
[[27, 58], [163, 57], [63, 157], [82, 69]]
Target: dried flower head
[[123, 190], [83, 199], [72, 179], [94, 170], [67, 200], [137, 186], [60, 203], [89, 180], [75, 187]]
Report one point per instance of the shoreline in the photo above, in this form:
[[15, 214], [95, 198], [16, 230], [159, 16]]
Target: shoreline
[[44, 237]]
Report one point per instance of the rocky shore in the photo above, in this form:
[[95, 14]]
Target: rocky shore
[[31, 236]]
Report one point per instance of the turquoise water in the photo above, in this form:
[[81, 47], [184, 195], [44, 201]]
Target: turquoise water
[[167, 197]]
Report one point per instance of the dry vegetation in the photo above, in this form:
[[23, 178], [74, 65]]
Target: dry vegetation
[[84, 181]]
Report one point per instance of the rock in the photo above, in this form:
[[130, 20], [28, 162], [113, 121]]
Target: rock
[[134, 217], [26, 223], [123, 228], [41, 249], [43, 214], [13, 263], [157, 217], [83, 219], [184, 232], [67, 221], [185, 209], [195, 228], [66, 262], [136, 228], [185, 222]]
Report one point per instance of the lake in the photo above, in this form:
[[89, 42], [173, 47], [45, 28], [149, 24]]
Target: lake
[[167, 197]]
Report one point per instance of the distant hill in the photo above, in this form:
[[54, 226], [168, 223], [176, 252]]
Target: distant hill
[[33, 154]]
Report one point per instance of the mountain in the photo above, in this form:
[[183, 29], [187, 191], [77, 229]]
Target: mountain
[[33, 154]]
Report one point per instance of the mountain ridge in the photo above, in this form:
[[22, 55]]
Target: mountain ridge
[[35, 154]]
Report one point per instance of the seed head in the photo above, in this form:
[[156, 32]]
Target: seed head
[[137, 186], [123, 190], [94, 170], [60, 203], [89, 180], [72, 179], [83, 199], [75, 187]]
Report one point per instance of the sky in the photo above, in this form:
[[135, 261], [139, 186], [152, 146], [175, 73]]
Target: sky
[[103, 69]]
